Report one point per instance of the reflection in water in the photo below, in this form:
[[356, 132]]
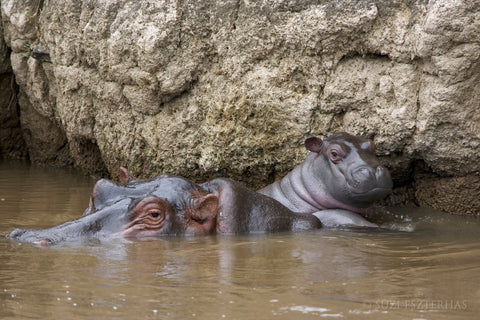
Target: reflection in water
[[431, 272]]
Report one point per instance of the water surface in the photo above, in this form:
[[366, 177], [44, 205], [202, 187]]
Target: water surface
[[422, 265]]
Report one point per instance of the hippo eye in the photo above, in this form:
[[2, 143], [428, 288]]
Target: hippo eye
[[336, 155], [155, 214]]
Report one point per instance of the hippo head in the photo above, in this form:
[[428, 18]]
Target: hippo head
[[136, 208], [350, 173], [165, 205]]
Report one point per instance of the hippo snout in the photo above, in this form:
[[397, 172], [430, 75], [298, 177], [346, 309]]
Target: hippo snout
[[363, 175], [29, 236], [15, 234], [383, 177], [370, 183]]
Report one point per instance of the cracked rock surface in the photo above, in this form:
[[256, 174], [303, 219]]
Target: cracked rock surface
[[232, 88]]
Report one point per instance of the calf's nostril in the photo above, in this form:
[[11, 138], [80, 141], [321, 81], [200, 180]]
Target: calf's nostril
[[363, 174]]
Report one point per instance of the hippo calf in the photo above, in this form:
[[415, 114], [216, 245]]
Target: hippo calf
[[338, 181], [172, 206]]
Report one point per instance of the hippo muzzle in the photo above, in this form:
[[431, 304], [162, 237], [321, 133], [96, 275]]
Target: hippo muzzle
[[106, 222], [368, 184]]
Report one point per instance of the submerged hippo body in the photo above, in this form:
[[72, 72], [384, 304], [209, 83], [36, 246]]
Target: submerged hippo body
[[338, 181], [171, 206]]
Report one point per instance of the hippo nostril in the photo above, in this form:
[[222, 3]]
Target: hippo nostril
[[16, 233], [363, 174]]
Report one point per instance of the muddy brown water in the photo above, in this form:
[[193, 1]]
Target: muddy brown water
[[422, 265]]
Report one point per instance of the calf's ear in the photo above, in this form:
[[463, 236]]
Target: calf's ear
[[314, 144], [205, 208], [125, 176]]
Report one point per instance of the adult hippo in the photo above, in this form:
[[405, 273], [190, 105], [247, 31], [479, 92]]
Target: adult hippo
[[171, 206], [338, 181]]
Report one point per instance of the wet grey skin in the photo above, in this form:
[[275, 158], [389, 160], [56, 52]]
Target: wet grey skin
[[171, 206], [339, 180]]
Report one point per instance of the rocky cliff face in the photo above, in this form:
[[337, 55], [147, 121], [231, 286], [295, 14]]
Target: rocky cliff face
[[12, 144], [232, 88]]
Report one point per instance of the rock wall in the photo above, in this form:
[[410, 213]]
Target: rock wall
[[12, 144], [232, 88]]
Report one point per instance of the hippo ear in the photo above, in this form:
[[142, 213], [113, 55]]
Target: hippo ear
[[314, 144], [204, 208], [370, 136], [125, 176]]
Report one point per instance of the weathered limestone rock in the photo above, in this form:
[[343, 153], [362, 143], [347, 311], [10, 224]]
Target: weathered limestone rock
[[12, 144], [455, 194], [232, 88]]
